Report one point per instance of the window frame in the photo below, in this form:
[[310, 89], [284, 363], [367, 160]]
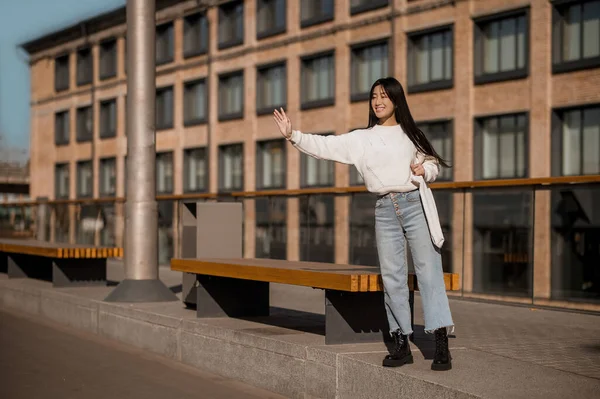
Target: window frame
[[103, 75], [222, 117], [478, 161], [235, 41], [166, 26], [101, 192], [557, 154], [328, 102], [260, 164], [411, 59], [166, 126], [186, 176], [220, 148], [557, 40], [110, 134], [357, 97], [368, 6], [450, 125], [78, 186], [308, 22], [166, 154], [199, 16], [478, 42], [59, 87], [78, 137], [196, 121], [277, 30], [62, 141], [264, 67], [67, 167], [82, 81]]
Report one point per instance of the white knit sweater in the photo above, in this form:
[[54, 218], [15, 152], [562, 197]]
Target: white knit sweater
[[382, 155]]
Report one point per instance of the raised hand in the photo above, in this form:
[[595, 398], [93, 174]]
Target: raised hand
[[283, 123]]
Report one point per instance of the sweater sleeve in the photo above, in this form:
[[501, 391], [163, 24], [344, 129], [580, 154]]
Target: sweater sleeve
[[431, 166], [340, 148]]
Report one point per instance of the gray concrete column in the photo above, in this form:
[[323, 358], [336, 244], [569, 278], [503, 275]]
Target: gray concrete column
[[141, 282]]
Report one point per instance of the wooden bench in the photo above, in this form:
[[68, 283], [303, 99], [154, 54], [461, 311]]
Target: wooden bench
[[63, 264], [354, 307]]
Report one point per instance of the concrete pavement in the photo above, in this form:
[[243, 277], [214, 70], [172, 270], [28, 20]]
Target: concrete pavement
[[39, 359]]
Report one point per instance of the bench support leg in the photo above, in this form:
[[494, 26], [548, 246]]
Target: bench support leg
[[78, 272], [354, 317], [3, 262], [29, 266], [231, 297]]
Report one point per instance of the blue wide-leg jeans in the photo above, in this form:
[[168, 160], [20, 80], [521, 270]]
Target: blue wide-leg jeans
[[399, 216]]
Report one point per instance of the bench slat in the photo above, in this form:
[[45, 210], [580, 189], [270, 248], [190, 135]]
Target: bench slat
[[353, 278], [56, 250]]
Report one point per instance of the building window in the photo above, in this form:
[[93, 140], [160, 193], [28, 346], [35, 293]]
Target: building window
[[313, 12], [108, 176], [316, 172], [61, 73], [271, 227], [575, 35], [231, 167], [368, 63], [317, 228], [439, 135], [195, 102], [576, 141], [317, 81], [62, 133], [231, 24], [164, 43], [84, 124], [195, 173], [61, 181], [108, 118], [164, 108], [195, 35], [430, 60], [501, 147], [164, 172], [84, 179], [501, 47], [271, 90], [271, 164], [270, 18], [358, 6], [231, 96], [85, 66], [108, 59]]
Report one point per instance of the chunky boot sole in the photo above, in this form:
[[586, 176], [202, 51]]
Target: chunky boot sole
[[442, 366], [398, 362]]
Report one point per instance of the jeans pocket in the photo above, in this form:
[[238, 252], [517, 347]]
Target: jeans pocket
[[413, 196]]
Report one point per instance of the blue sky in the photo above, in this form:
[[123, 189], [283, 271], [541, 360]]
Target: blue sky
[[21, 21]]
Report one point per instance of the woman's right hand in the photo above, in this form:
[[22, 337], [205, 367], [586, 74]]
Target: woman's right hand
[[283, 123]]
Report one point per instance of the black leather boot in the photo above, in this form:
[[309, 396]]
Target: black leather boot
[[442, 360], [400, 353]]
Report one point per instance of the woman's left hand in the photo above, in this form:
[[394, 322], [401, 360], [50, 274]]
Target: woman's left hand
[[417, 169]]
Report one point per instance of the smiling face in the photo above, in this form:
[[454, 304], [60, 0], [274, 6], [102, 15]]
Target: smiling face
[[382, 106]]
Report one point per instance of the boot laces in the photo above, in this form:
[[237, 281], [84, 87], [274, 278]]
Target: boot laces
[[441, 343]]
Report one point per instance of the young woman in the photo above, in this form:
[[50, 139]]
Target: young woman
[[387, 154]]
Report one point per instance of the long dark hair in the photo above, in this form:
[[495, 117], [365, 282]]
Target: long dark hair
[[395, 93]]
